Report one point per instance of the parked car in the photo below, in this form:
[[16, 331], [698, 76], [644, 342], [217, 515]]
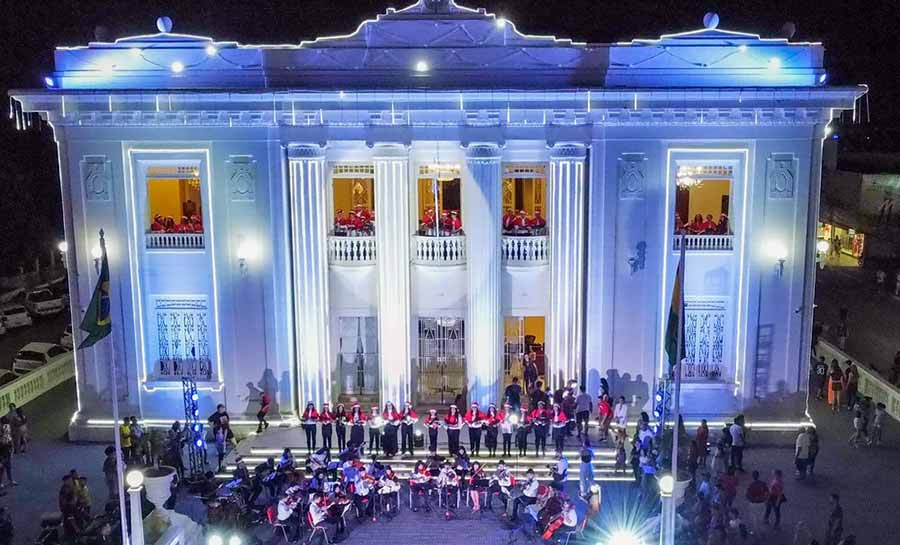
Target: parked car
[[7, 376], [16, 316], [34, 355], [43, 302], [67, 340]]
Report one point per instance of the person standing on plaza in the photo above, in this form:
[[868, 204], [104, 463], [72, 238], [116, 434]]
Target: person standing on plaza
[[857, 433], [110, 474], [801, 453], [737, 443], [584, 405], [878, 424], [851, 383], [140, 450], [843, 331], [702, 438], [776, 498], [604, 415], [326, 420], [835, 522], [308, 421], [820, 377], [836, 378], [125, 440], [757, 494], [813, 449], [586, 469], [265, 404], [6, 450], [19, 425]]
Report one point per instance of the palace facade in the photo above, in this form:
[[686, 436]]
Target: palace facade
[[411, 211]]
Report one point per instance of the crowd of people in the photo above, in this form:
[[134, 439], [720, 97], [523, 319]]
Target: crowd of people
[[166, 224], [359, 222], [702, 226], [448, 224], [839, 387], [520, 224]]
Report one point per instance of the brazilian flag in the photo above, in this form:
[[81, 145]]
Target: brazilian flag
[[675, 310], [97, 322]]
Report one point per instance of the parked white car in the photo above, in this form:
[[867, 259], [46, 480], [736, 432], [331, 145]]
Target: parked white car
[[34, 355], [15, 316], [43, 303], [7, 376], [66, 340]]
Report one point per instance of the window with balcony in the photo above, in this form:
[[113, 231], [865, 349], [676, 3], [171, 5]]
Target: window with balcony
[[702, 207], [353, 198], [175, 207], [524, 198], [440, 201]]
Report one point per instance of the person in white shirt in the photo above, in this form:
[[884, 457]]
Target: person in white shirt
[[801, 453], [737, 443], [529, 494], [289, 513], [620, 413], [559, 471]]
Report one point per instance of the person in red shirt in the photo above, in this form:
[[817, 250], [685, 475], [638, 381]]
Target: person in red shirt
[[604, 415], [426, 224], [432, 422], [709, 226], [508, 218], [757, 494], [265, 403], [326, 418], [445, 221], [558, 421], [453, 422], [157, 225], [340, 426], [538, 222], [391, 427], [540, 418], [357, 421], [474, 418], [308, 419], [491, 429], [521, 222], [776, 498], [729, 483], [455, 222], [408, 418], [696, 226]]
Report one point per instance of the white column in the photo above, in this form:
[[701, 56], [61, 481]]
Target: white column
[[137, 520], [482, 210], [309, 225], [392, 247], [566, 223]]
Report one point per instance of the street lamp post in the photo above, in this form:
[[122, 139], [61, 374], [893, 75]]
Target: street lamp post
[[135, 480], [667, 529]]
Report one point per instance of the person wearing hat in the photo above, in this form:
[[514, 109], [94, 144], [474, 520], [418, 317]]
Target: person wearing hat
[[522, 433], [326, 419], [538, 223], [506, 428], [309, 419], [455, 222], [474, 419], [340, 426], [491, 429], [508, 218], [432, 423], [541, 419], [408, 419], [357, 421], [391, 424], [559, 422], [453, 422]]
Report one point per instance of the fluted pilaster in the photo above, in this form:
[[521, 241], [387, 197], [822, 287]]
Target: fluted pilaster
[[309, 220], [392, 235], [566, 202], [482, 210]]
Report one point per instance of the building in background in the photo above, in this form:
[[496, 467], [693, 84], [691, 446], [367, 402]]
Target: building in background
[[410, 211]]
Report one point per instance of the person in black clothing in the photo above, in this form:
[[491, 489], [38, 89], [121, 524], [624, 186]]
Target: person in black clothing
[[218, 418], [536, 394], [513, 394], [260, 474], [531, 373]]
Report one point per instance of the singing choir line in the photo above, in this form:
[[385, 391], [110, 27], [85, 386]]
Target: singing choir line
[[384, 426]]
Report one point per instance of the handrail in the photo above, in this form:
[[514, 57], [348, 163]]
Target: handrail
[[38, 382]]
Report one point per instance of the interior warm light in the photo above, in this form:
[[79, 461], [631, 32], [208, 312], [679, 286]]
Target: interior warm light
[[177, 67], [823, 246]]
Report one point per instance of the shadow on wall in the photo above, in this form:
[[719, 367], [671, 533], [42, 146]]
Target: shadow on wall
[[268, 383], [284, 392], [636, 391], [764, 343]]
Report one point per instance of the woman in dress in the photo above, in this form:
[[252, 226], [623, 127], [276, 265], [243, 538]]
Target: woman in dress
[[357, 426], [432, 423], [392, 423], [309, 420], [340, 426], [491, 430]]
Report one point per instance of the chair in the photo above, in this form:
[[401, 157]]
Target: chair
[[577, 532], [315, 529], [272, 519]]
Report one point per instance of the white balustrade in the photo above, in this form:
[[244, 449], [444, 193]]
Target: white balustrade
[[174, 240], [351, 250], [526, 250], [439, 250], [709, 243]]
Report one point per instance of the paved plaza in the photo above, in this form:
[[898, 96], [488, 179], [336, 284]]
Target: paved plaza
[[866, 478]]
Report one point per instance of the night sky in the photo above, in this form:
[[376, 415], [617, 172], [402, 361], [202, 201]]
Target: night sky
[[859, 36]]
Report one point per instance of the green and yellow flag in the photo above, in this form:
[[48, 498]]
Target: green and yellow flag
[[675, 310], [97, 322]]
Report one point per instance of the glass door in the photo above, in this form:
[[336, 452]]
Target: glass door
[[442, 360]]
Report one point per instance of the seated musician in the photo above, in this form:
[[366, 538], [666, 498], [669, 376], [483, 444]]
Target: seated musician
[[478, 483], [318, 510], [289, 512], [448, 482], [388, 486], [420, 483], [241, 482], [567, 517], [362, 493], [552, 508], [560, 471], [529, 493], [335, 502], [264, 475], [500, 485]]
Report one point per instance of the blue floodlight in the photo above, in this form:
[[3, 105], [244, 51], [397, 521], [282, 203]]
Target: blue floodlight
[[48, 81]]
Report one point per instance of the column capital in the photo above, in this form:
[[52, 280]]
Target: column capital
[[567, 150], [390, 150], [306, 151], [483, 151]]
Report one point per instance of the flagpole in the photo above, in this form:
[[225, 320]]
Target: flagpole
[[120, 471], [676, 398]]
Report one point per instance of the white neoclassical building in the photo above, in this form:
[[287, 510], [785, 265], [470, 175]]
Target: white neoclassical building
[[411, 210]]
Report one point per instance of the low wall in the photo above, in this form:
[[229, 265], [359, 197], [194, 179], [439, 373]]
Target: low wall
[[37, 382], [871, 383]]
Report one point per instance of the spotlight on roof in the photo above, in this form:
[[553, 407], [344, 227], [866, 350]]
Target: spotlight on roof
[[742, 48], [211, 50], [177, 67], [421, 66], [48, 81], [823, 77], [500, 22]]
